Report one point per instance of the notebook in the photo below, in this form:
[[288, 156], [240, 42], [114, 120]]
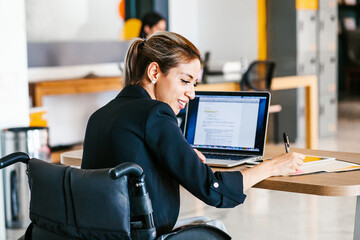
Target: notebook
[[229, 128]]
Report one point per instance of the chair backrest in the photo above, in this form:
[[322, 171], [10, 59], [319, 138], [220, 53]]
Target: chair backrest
[[353, 46], [258, 76], [73, 203]]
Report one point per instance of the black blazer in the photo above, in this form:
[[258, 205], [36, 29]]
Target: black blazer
[[135, 128]]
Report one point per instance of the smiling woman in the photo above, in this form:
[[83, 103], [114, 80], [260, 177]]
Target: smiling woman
[[167, 49], [175, 88], [168, 72], [140, 126]]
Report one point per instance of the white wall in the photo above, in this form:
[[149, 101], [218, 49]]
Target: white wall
[[68, 115], [228, 29], [64, 20], [14, 101], [183, 19]]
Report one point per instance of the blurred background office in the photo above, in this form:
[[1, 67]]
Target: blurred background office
[[45, 41]]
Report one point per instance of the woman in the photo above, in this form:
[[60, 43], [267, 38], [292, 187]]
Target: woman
[[140, 126], [152, 22]]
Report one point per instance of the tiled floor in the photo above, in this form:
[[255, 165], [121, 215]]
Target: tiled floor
[[288, 216]]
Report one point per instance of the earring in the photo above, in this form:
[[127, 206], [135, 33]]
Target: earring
[[153, 82]]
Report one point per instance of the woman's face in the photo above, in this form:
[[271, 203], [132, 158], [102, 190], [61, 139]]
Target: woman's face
[[160, 26], [177, 87]]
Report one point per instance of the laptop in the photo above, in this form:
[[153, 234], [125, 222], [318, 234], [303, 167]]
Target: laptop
[[229, 128]]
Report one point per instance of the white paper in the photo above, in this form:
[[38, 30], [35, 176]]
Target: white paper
[[327, 166]]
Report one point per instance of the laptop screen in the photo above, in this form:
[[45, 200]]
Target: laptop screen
[[228, 122]]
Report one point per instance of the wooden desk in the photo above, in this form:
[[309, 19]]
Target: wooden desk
[[329, 184], [72, 86], [71, 158], [326, 184], [90, 85]]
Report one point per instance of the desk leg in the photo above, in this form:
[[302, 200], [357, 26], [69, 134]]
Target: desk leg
[[38, 94], [312, 120], [357, 220]]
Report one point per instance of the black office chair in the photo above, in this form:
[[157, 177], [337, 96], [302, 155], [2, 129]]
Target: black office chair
[[71, 203], [205, 67], [258, 77]]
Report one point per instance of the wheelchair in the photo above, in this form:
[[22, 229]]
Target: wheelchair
[[72, 203]]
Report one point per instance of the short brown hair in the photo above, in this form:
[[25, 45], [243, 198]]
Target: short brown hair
[[167, 49]]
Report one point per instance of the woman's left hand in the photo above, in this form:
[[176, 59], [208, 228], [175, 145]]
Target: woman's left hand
[[200, 155]]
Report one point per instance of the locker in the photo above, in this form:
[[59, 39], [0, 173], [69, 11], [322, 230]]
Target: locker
[[327, 74], [313, 51], [328, 5], [328, 114], [327, 31], [306, 40], [306, 63]]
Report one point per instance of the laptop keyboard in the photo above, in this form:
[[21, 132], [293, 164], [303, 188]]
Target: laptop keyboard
[[224, 157]]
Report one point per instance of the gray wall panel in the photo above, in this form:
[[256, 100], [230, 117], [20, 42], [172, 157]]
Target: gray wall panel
[[75, 53], [281, 34]]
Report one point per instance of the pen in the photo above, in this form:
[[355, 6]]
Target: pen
[[286, 142]]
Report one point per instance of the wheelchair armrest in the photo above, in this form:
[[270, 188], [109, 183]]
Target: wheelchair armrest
[[196, 231], [126, 168], [14, 158]]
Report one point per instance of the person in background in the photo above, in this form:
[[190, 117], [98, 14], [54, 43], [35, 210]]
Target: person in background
[[152, 22], [140, 126]]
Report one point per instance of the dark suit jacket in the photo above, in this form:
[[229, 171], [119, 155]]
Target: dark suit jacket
[[135, 128]]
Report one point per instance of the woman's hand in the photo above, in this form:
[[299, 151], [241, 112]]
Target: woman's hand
[[286, 164], [282, 165], [200, 155]]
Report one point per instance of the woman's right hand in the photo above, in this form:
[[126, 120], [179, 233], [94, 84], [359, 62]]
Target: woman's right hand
[[286, 164], [282, 165]]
